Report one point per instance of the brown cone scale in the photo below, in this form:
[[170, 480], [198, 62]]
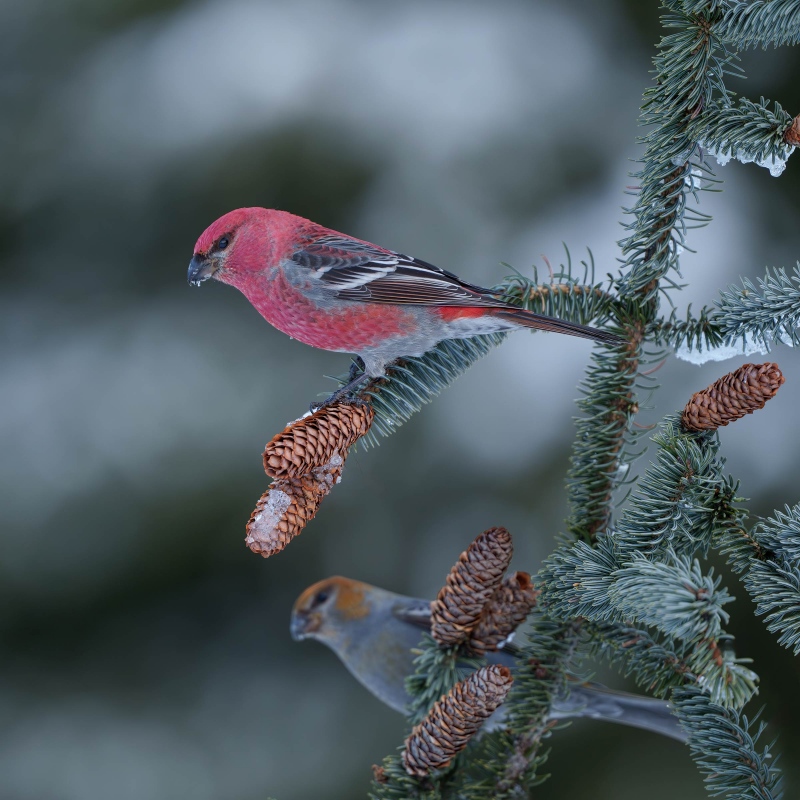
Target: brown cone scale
[[469, 585], [505, 611], [313, 440], [455, 719], [732, 396]]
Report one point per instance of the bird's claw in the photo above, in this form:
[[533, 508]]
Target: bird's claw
[[344, 394]]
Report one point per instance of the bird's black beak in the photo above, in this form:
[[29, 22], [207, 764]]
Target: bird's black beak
[[201, 268], [303, 623]]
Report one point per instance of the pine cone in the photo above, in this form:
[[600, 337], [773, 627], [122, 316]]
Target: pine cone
[[455, 719], [732, 396], [469, 585], [792, 134], [506, 610], [286, 507], [313, 440]]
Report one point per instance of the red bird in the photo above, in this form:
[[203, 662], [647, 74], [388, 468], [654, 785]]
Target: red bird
[[338, 293]]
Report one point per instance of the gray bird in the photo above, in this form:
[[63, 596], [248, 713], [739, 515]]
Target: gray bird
[[374, 632]]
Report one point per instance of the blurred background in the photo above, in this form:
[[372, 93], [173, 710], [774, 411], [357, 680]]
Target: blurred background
[[144, 651]]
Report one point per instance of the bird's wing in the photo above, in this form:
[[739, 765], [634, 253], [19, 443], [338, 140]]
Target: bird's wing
[[418, 613], [414, 612], [356, 270]]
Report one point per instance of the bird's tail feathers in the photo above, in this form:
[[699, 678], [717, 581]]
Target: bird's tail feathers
[[598, 702], [529, 319]]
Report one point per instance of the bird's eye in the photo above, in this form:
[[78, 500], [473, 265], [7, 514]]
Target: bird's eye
[[222, 243], [320, 598]]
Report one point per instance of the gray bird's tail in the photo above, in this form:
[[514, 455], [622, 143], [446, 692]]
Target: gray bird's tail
[[596, 702], [543, 323]]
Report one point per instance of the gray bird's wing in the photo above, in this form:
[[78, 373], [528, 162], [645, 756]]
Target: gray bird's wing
[[418, 613]]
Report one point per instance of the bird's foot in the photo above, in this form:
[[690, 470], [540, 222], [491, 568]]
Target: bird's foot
[[344, 394], [357, 369]]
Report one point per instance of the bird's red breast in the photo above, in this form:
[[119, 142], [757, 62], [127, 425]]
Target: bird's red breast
[[349, 327]]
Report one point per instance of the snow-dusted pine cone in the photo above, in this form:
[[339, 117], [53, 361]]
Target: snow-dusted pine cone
[[506, 610], [313, 440], [288, 504], [455, 719], [732, 396], [469, 585]]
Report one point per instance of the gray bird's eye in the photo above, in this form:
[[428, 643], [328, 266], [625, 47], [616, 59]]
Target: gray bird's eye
[[320, 598]]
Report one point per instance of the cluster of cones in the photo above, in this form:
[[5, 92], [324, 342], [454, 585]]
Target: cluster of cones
[[478, 609], [305, 462]]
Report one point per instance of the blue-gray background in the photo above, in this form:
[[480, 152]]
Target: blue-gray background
[[145, 651]]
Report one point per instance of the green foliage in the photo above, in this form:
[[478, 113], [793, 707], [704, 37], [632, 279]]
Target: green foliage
[[760, 314], [629, 584], [656, 665], [749, 129], [726, 749], [760, 23], [768, 555], [436, 671], [768, 312], [412, 382]]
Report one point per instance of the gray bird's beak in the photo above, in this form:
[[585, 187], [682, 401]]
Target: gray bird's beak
[[299, 626], [201, 268]]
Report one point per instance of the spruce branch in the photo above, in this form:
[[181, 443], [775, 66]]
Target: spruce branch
[[410, 383], [725, 747], [436, 671], [747, 131], [673, 596], [689, 68], [601, 446], [672, 504], [757, 315], [542, 676], [768, 557], [765, 312], [693, 333], [759, 23], [655, 664]]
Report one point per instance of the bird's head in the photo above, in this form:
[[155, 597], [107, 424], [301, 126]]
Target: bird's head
[[239, 244], [326, 610]]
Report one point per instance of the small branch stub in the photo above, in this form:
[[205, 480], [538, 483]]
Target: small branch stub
[[506, 610], [792, 134], [469, 585], [455, 719], [312, 441], [732, 396]]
